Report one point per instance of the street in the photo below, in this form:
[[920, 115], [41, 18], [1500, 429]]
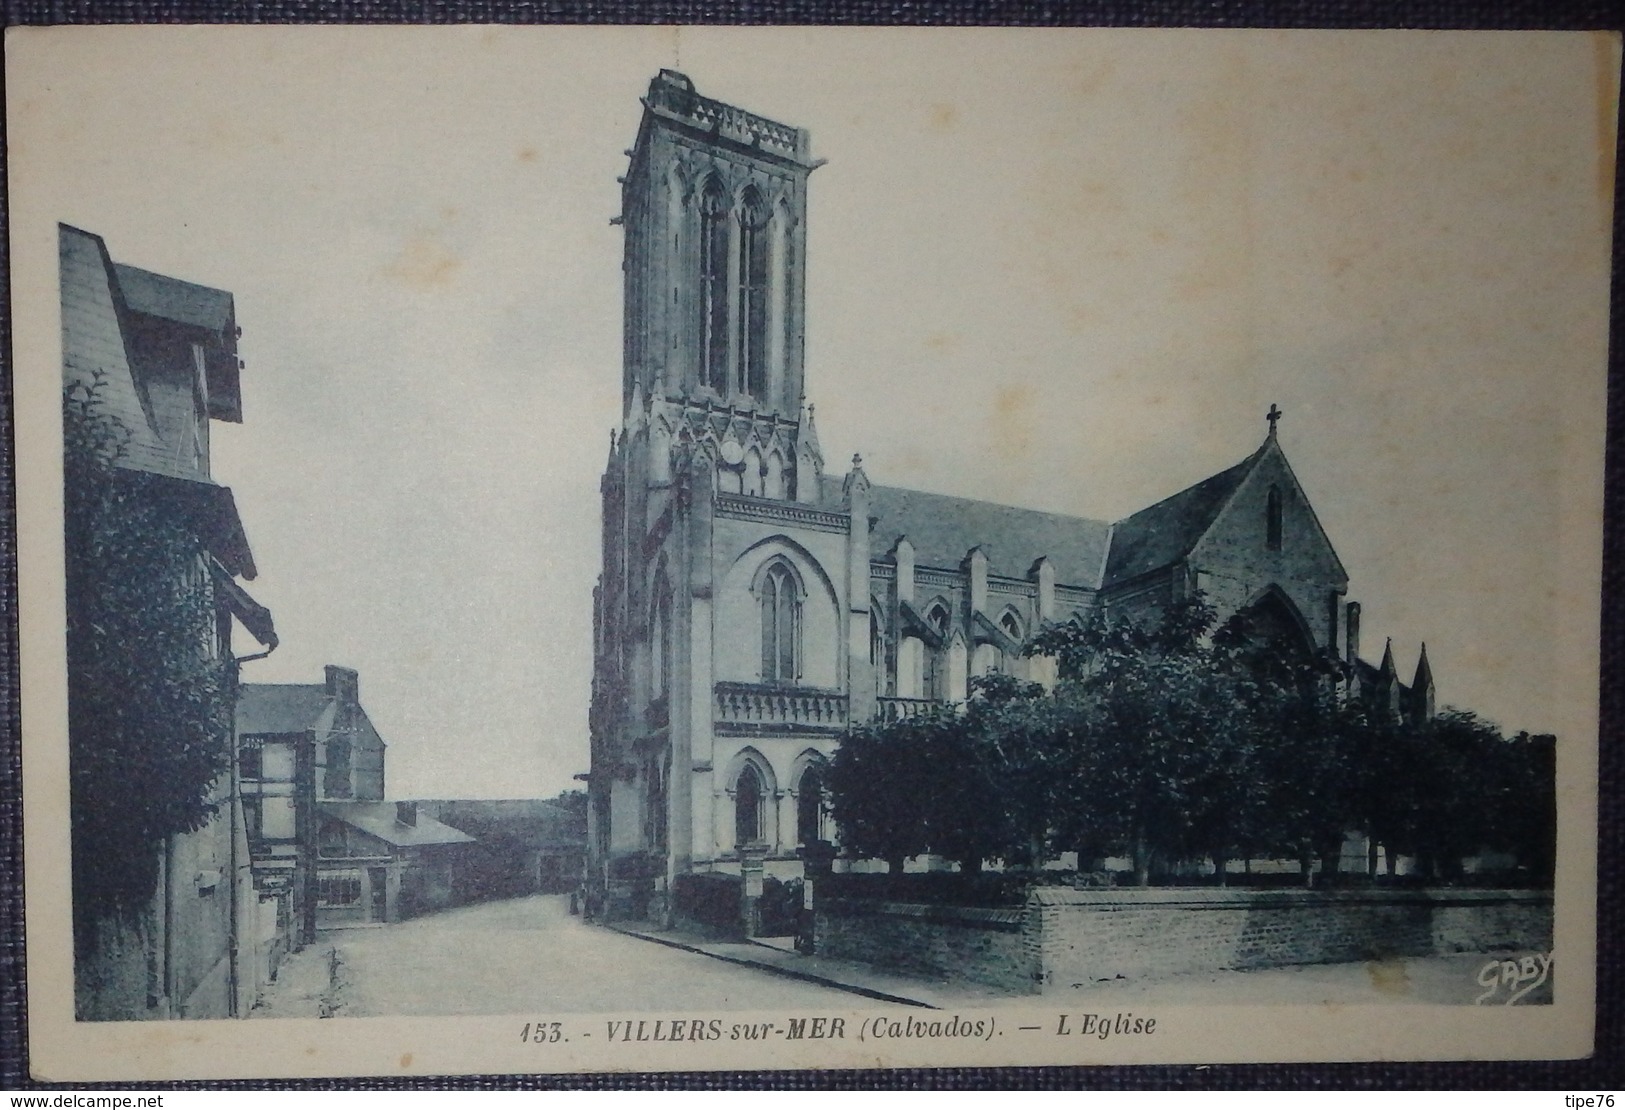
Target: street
[[517, 956]]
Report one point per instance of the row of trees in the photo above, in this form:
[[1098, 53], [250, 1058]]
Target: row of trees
[[1183, 742]]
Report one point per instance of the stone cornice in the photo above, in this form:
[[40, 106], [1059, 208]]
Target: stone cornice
[[732, 506]]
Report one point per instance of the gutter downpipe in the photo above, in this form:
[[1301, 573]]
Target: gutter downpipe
[[241, 858]]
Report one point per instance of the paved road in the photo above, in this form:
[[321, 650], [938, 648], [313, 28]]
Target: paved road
[[519, 956]]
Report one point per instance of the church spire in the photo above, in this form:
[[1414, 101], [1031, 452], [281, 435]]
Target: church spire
[[1422, 689], [809, 434], [1388, 690], [1424, 672]]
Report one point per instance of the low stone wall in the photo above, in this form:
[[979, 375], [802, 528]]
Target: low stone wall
[[950, 942], [1066, 938], [1088, 935]]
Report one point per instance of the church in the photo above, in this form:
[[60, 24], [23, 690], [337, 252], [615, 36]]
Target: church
[[754, 602]]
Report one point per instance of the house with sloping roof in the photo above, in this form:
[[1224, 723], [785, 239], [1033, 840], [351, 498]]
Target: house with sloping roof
[[148, 363], [381, 862], [753, 605], [302, 747]]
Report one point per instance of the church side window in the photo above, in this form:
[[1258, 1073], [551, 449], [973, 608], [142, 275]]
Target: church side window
[[936, 661], [1011, 627], [714, 288], [660, 640], [654, 815], [810, 806], [748, 807], [754, 238], [1272, 520], [780, 617]]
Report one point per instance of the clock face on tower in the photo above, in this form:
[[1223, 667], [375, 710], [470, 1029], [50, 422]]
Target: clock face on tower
[[732, 453]]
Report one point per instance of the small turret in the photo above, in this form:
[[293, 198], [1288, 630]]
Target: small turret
[[1422, 689], [1388, 683]]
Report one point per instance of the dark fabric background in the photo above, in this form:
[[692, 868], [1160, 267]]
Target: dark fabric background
[[1603, 1071]]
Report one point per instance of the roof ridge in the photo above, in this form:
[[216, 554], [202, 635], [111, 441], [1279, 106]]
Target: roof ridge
[[144, 272], [1168, 530], [1233, 468], [990, 504]]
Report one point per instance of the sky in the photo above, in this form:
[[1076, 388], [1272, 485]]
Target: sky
[[1065, 270]]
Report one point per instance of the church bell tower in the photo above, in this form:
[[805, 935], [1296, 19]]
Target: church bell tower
[[713, 206]]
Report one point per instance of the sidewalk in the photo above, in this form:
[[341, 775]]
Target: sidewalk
[[855, 978], [1432, 980], [304, 986]]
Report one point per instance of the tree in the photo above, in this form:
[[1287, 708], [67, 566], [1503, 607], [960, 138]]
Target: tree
[[1165, 742], [878, 787], [1296, 738], [1524, 784], [149, 701], [1026, 748], [967, 783], [1182, 740]]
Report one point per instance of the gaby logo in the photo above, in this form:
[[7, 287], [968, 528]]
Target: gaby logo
[[1515, 977]]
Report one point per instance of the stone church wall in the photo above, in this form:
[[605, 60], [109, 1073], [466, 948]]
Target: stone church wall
[[1064, 938], [1234, 561], [951, 942], [742, 548]]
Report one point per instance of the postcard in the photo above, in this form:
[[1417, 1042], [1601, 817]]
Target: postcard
[[625, 549]]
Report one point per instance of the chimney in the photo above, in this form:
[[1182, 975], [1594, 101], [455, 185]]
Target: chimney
[[343, 684], [406, 813]]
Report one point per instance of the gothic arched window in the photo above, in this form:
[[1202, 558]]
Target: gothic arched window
[[714, 288], [1010, 625], [748, 805], [660, 638], [755, 236], [936, 660], [781, 612], [1272, 520], [654, 814], [810, 806]]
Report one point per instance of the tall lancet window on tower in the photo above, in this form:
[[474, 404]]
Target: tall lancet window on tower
[[755, 236], [1272, 520], [714, 288], [780, 612]]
